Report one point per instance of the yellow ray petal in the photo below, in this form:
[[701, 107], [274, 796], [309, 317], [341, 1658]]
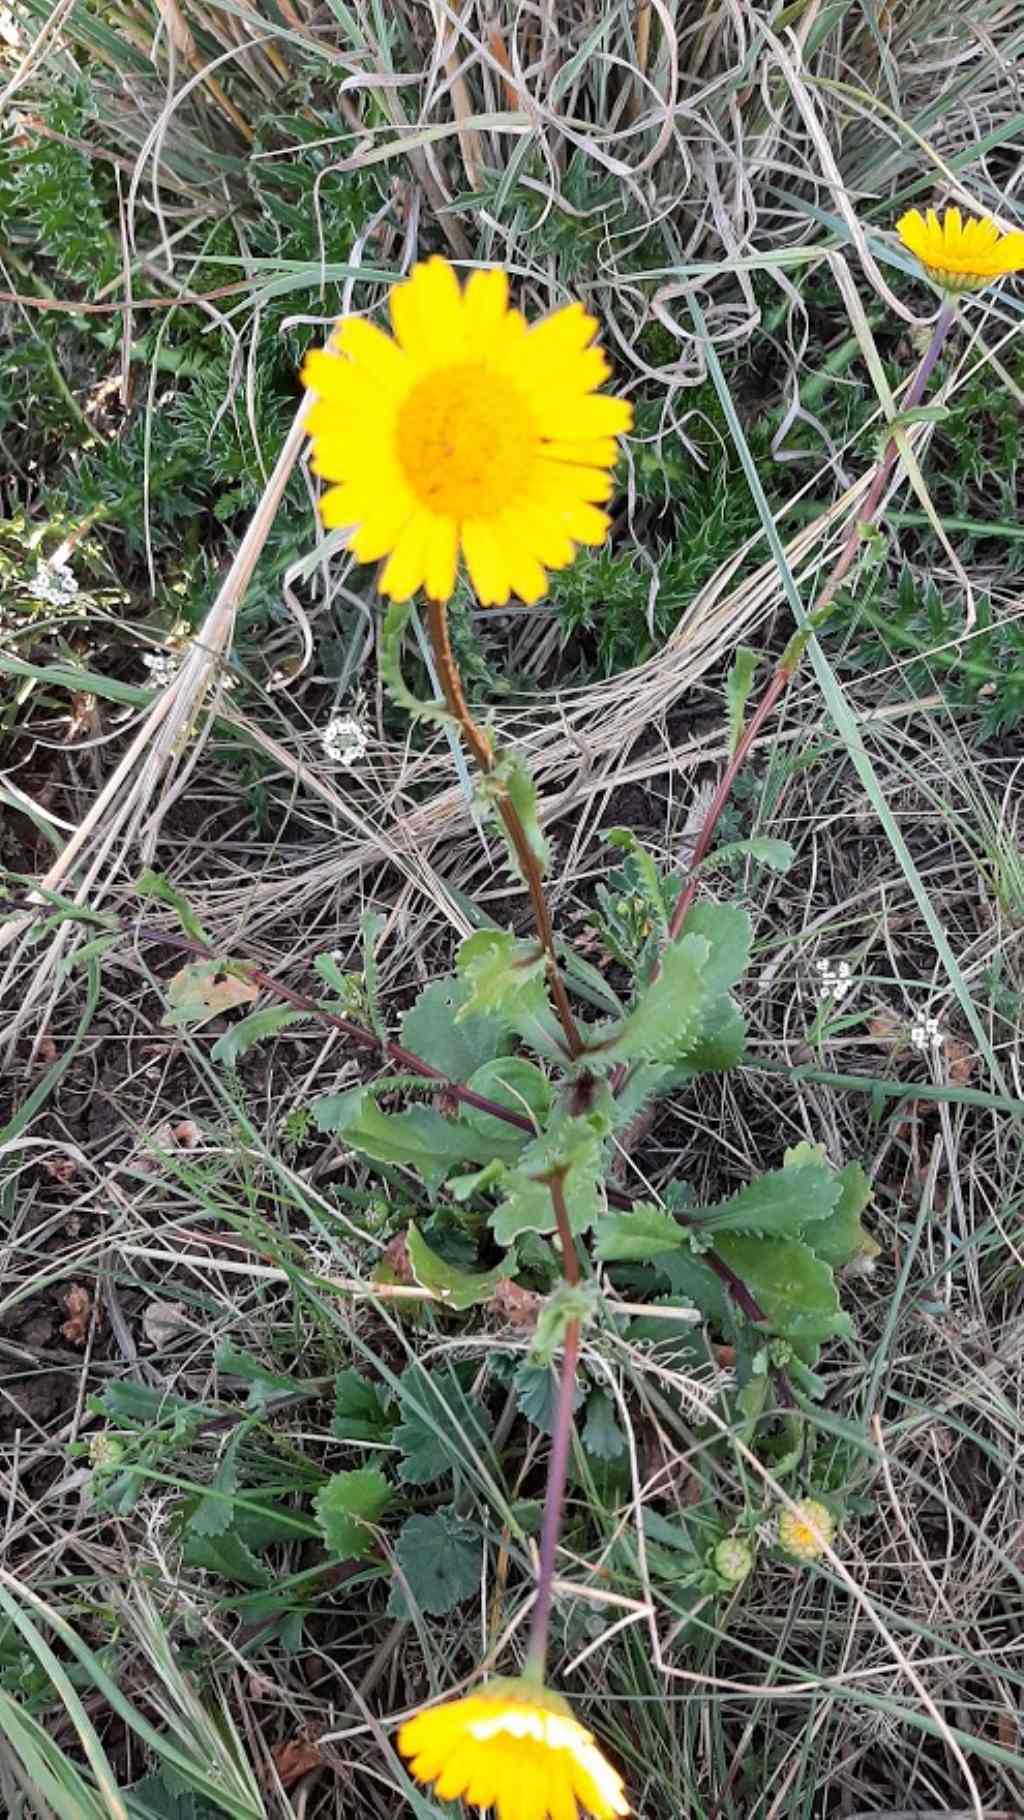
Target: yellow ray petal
[[487, 571], [405, 568], [484, 303], [368, 347], [442, 551], [426, 312]]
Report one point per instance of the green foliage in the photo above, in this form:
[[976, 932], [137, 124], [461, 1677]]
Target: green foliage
[[644, 1232], [441, 1558], [458, 1289], [359, 1413], [780, 1205], [917, 626], [601, 1434], [421, 1137], [738, 685], [590, 216], [536, 1395], [440, 1027], [437, 1418], [510, 781], [243, 1036], [572, 1149], [667, 1013], [349, 1504]]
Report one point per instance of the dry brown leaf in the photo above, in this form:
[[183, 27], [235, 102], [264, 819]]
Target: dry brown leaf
[[394, 1264], [961, 1061], [178, 27], [162, 1322], [207, 989], [518, 1306], [78, 1303], [886, 1027], [295, 1759], [61, 1168]]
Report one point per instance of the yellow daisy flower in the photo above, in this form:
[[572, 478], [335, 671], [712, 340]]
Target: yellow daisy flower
[[516, 1747], [467, 431], [807, 1531], [959, 255]]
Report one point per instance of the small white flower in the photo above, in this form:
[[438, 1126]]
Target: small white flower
[[926, 1033], [836, 979], [54, 583], [167, 658], [344, 740]]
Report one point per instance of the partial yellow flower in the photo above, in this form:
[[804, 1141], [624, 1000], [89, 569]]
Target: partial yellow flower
[[806, 1531], [469, 431], [516, 1747], [959, 255]]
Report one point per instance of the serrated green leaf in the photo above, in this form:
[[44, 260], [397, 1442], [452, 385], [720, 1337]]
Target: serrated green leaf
[[359, 1414], [215, 1510], [464, 1187], [346, 1507], [718, 1045], [153, 884], [728, 931], [126, 1402], [370, 925], [233, 1362], [688, 1275], [253, 1029], [457, 1044], [509, 779], [331, 974], [513, 1082], [441, 1558], [738, 684], [572, 1148], [601, 1435], [459, 1289], [778, 1205], [645, 1231], [793, 1287], [389, 665], [503, 973], [228, 1556], [778, 855], [420, 1137], [566, 1303], [436, 1417], [667, 1012], [841, 1238], [537, 1395]]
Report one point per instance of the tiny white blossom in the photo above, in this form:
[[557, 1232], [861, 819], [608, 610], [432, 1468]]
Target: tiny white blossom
[[926, 1034], [344, 740], [836, 978], [54, 583], [166, 660]]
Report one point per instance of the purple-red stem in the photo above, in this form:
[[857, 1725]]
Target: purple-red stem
[[561, 1437]]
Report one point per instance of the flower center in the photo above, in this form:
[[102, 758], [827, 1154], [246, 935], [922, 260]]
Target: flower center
[[466, 441]]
